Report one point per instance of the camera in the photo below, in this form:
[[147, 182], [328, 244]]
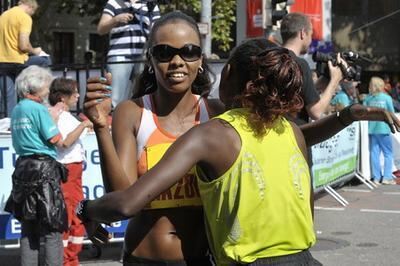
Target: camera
[[351, 72]]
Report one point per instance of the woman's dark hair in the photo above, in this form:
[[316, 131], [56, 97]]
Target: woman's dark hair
[[241, 59], [146, 83], [61, 87], [274, 89]]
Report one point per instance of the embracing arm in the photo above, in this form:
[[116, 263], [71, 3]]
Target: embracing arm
[[187, 150], [328, 126], [190, 149]]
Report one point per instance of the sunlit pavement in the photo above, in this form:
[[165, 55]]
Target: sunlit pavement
[[365, 232]]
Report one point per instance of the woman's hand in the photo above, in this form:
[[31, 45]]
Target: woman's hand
[[360, 112], [97, 104], [96, 233], [87, 124]]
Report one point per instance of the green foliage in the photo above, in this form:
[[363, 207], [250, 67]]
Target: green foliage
[[82, 8], [224, 17], [223, 14], [191, 7]]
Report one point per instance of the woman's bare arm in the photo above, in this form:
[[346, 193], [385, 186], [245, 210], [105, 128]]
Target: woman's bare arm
[[328, 126], [97, 108]]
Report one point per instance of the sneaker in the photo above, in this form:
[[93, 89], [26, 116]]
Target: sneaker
[[376, 182], [388, 182]]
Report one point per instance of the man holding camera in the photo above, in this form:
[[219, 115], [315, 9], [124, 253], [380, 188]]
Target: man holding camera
[[296, 32], [128, 22]]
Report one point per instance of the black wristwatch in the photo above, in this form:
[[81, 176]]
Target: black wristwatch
[[345, 117], [80, 211]]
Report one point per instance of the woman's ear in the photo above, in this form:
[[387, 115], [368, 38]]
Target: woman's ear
[[249, 86]]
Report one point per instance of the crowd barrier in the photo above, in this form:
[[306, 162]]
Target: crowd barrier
[[335, 162]]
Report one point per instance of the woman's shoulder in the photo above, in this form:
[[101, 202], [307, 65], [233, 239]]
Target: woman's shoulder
[[128, 112], [131, 105]]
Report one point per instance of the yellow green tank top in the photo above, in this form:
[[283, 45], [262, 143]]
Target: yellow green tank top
[[261, 206]]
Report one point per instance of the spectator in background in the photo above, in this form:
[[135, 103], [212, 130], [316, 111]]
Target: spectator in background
[[15, 46], [296, 31], [128, 23], [344, 97], [395, 93], [36, 199], [72, 155], [388, 85], [380, 140]]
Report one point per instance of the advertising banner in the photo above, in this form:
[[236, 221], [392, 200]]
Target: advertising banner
[[313, 9], [336, 158], [254, 27]]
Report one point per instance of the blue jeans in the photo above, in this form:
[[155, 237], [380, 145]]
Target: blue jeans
[[43, 61], [8, 73], [8, 94], [121, 83], [381, 143]]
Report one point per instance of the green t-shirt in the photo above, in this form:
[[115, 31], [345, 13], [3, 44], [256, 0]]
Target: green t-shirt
[[31, 129]]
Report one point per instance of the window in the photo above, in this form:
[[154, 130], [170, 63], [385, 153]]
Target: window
[[99, 45], [64, 47]]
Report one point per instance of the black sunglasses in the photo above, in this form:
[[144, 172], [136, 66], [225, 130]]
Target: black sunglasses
[[164, 53]]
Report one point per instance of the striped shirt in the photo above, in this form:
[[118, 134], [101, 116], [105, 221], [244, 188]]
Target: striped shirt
[[129, 39]]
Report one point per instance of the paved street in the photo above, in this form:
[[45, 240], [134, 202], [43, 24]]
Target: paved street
[[366, 232]]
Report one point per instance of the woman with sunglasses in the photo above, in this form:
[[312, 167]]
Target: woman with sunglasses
[[166, 104]]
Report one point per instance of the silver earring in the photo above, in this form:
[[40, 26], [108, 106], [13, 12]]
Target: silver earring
[[201, 70], [151, 70]]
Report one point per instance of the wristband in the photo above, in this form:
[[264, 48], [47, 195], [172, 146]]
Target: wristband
[[342, 114], [80, 211]]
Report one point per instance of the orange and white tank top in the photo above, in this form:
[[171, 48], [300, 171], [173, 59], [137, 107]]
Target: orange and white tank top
[[152, 142]]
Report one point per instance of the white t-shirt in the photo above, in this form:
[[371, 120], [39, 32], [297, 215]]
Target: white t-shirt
[[75, 153]]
